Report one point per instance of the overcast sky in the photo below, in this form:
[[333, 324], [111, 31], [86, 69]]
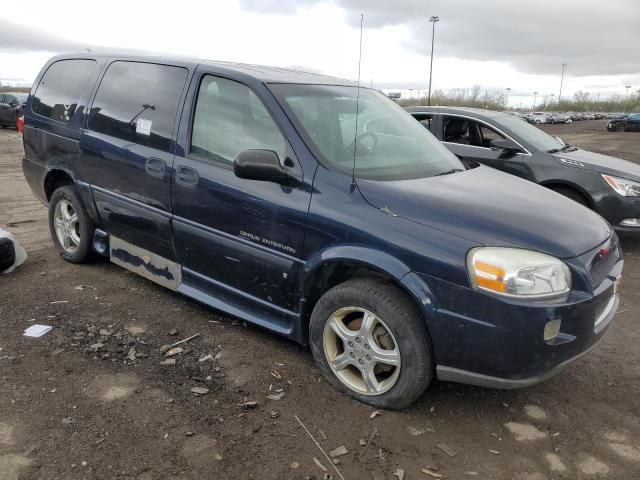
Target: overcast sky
[[493, 43]]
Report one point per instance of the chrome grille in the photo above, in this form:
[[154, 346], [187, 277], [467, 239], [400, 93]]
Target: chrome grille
[[603, 262]]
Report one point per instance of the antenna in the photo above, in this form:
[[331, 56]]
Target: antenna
[[355, 139]]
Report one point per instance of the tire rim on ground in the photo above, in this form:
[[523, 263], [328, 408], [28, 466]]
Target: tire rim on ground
[[361, 351], [67, 226]]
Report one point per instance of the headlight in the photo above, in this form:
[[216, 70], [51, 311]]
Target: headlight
[[517, 273], [623, 187]]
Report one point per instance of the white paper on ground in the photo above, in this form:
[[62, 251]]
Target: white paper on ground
[[37, 330], [21, 255]]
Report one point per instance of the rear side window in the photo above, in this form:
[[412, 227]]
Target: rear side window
[[60, 89], [230, 118], [138, 102]]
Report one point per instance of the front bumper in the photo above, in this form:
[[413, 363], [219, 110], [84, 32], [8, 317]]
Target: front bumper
[[615, 209], [449, 374], [485, 340]]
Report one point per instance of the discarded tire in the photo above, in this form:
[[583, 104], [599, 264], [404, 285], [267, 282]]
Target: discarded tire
[[7, 254]]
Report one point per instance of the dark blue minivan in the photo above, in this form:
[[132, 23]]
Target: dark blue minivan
[[323, 212]]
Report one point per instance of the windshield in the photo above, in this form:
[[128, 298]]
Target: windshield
[[22, 97], [528, 133], [391, 145]]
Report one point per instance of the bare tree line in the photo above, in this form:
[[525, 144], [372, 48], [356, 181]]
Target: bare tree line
[[475, 97]]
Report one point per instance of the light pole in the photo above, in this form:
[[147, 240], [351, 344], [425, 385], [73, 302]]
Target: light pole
[[552, 95], [433, 20], [564, 65], [535, 97], [626, 98], [508, 91]]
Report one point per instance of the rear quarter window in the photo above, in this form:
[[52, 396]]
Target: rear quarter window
[[60, 89], [138, 102]]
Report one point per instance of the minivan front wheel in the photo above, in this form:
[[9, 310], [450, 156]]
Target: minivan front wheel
[[71, 228], [369, 342]]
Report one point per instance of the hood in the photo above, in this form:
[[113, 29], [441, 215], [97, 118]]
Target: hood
[[603, 163], [492, 208]]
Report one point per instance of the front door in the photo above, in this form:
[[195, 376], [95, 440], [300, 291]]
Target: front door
[[127, 151], [471, 140], [242, 235]]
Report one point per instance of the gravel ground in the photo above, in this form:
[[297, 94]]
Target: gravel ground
[[96, 398]]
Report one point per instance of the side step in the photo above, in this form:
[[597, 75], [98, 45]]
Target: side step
[[146, 264]]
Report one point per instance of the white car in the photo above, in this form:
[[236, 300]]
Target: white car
[[540, 117]]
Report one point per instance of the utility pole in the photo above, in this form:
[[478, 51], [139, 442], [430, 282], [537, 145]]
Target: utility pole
[[535, 97], [434, 19], [564, 65], [626, 98], [508, 91]]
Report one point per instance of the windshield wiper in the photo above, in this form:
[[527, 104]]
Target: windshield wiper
[[449, 172], [566, 148]]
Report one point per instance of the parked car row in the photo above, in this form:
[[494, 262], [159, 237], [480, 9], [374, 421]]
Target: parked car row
[[324, 212], [568, 117]]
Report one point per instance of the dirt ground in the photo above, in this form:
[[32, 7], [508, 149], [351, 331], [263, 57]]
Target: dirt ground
[[92, 399]]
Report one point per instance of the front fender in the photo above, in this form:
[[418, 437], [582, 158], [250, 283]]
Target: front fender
[[356, 254], [410, 282]]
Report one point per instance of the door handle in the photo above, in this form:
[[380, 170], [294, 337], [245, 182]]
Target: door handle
[[186, 176], [155, 167]]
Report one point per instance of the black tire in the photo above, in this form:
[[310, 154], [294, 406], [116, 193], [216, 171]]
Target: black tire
[[573, 195], [7, 254], [391, 305], [86, 227]]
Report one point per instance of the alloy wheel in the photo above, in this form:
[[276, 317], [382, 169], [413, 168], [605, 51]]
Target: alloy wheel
[[67, 226], [361, 351]]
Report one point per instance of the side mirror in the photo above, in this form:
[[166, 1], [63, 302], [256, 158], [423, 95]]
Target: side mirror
[[13, 103], [505, 145], [264, 165]]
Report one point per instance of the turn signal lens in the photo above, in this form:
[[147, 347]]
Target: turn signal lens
[[490, 277], [517, 273]]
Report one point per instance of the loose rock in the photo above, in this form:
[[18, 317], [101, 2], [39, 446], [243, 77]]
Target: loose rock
[[447, 449], [319, 465], [426, 471], [339, 451], [199, 391]]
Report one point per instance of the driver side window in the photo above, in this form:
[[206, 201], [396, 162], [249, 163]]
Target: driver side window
[[465, 131], [230, 118], [489, 134]]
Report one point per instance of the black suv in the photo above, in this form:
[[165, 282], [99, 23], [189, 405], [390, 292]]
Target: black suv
[[11, 105], [630, 123], [608, 185], [321, 211]]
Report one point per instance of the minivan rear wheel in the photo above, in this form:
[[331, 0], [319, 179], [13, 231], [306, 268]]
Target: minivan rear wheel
[[70, 226], [369, 342]]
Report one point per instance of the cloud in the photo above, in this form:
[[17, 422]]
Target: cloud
[[16, 38], [594, 37]]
